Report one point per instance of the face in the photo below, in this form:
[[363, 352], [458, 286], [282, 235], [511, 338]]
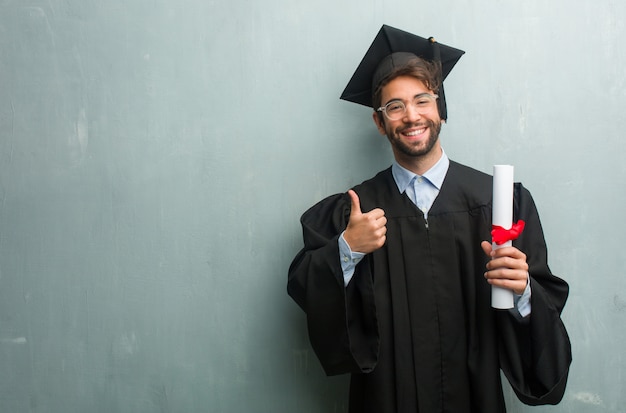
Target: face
[[414, 135]]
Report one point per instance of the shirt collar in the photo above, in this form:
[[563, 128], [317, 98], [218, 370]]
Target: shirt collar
[[435, 175]]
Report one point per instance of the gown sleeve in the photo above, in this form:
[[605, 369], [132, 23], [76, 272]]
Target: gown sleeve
[[341, 320], [535, 353]]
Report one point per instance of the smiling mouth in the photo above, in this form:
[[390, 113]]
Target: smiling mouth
[[415, 132]]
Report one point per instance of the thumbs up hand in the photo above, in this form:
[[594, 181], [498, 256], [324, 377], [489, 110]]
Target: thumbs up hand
[[366, 231]]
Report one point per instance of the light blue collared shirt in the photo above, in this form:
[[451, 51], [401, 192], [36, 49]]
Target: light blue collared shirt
[[422, 191]]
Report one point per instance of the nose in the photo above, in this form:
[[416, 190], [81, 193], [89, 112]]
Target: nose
[[412, 113]]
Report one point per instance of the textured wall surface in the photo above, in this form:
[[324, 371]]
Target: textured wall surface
[[155, 157]]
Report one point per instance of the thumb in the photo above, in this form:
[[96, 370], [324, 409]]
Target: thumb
[[355, 204], [487, 248]]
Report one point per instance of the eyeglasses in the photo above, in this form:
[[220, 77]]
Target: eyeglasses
[[396, 109]]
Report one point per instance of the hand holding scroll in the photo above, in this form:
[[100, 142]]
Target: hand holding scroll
[[507, 268]]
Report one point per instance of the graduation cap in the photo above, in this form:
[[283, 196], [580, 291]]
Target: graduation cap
[[392, 48]]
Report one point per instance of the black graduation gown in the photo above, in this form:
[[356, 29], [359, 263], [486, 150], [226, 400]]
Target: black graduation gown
[[415, 325]]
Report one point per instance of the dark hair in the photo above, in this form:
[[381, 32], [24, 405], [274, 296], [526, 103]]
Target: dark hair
[[426, 71]]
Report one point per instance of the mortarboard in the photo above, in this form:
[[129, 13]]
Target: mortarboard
[[391, 40]]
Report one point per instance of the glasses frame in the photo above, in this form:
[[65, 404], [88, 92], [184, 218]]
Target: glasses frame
[[421, 111]]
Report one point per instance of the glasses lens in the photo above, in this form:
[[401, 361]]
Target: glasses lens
[[395, 110], [424, 103], [421, 104]]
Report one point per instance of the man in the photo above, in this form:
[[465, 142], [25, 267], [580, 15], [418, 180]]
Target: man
[[395, 275]]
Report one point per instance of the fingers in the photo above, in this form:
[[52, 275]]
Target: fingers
[[365, 232], [355, 208], [515, 283], [487, 248], [507, 268], [506, 257], [508, 252], [355, 203], [506, 274]]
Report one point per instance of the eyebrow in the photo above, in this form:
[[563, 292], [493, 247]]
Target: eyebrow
[[400, 100]]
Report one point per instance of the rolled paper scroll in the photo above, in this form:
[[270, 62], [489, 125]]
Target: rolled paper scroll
[[502, 216]]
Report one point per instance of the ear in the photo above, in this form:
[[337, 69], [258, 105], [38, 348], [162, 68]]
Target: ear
[[378, 120]]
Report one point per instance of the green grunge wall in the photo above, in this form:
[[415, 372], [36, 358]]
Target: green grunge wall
[[155, 157]]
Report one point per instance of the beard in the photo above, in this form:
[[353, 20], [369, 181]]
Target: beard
[[417, 149]]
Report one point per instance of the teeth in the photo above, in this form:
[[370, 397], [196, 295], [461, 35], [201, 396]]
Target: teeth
[[415, 133]]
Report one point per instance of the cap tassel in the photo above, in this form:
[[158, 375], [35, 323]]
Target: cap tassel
[[436, 51], [441, 102]]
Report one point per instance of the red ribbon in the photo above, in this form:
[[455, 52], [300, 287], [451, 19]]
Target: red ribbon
[[499, 235]]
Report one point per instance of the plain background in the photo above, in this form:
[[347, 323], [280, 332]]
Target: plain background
[[155, 158]]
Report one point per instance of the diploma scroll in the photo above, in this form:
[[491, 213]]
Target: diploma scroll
[[502, 215]]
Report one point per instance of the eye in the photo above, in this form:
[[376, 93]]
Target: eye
[[422, 101], [394, 107]]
